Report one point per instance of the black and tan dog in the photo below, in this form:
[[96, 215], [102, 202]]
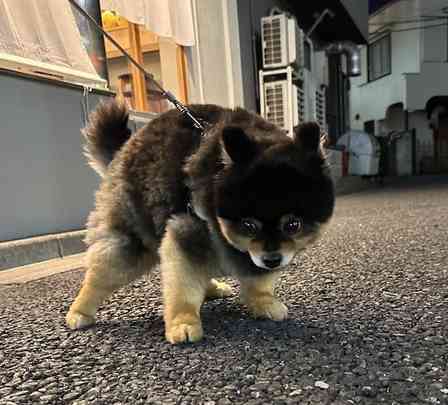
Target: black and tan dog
[[259, 197]]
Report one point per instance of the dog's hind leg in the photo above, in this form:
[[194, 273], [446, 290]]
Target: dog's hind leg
[[111, 262], [218, 289]]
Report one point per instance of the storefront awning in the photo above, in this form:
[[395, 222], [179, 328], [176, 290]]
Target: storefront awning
[[166, 18]]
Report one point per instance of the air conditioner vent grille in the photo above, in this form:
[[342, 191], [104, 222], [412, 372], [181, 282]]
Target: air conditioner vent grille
[[301, 101], [275, 94], [320, 108], [272, 41]]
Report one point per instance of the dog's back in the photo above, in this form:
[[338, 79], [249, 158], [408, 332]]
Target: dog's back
[[143, 178]]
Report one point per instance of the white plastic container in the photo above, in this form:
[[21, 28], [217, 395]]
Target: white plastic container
[[364, 153]]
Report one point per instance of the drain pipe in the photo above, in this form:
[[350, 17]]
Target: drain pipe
[[351, 51], [319, 19]]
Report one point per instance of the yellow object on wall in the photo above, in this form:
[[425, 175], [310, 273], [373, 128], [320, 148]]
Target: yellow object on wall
[[112, 20]]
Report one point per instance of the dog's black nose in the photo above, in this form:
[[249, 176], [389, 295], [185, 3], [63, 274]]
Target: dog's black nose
[[272, 260]]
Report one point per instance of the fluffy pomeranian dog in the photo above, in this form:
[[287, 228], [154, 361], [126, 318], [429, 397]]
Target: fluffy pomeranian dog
[[240, 200]]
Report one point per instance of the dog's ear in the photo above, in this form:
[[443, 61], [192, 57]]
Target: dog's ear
[[238, 147], [308, 136]]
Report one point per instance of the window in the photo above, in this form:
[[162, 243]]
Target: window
[[40, 37], [379, 58]]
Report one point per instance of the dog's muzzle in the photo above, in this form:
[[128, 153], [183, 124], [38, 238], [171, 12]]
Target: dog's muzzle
[[272, 260]]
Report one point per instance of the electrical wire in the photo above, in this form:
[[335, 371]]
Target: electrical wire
[[420, 28], [424, 19], [424, 27]]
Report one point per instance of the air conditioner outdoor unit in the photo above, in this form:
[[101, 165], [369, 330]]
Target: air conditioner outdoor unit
[[320, 113], [282, 98], [282, 42]]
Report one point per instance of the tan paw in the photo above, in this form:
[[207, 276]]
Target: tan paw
[[184, 332], [218, 289], [76, 320], [270, 308]]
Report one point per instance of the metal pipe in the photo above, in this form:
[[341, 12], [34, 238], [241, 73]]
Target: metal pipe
[[319, 20], [92, 38], [352, 53]]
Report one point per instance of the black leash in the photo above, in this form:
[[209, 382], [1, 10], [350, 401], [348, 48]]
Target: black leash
[[168, 95]]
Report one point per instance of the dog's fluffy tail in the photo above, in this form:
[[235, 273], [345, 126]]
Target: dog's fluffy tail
[[105, 134]]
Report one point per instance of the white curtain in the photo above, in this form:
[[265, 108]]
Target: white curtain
[[166, 18], [44, 31]]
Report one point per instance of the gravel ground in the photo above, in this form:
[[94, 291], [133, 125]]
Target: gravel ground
[[368, 324]]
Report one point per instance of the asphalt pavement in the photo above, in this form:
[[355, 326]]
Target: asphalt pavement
[[368, 324]]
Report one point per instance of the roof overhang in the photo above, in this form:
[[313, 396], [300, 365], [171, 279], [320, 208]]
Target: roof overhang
[[349, 23]]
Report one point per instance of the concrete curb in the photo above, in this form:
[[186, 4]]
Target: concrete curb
[[36, 271], [38, 249]]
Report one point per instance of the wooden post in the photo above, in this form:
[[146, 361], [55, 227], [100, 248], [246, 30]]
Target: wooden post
[[174, 75], [138, 80], [182, 73]]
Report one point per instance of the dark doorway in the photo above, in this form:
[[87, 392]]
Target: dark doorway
[[338, 113], [441, 145]]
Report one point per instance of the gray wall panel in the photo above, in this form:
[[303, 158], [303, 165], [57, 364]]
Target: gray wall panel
[[45, 183]]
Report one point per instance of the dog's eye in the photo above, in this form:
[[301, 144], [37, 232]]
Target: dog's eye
[[249, 227], [292, 226]]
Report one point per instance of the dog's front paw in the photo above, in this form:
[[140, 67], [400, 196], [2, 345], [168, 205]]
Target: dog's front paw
[[218, 289], [184, 329], [77, 320], [268, 307]]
